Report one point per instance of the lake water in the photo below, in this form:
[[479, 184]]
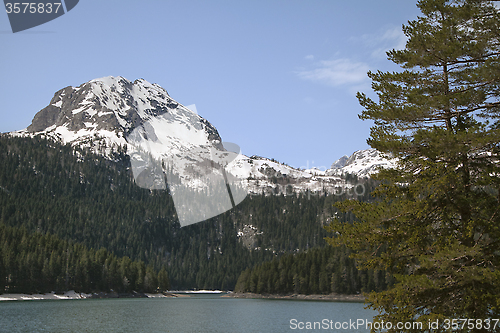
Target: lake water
[[201, 313]]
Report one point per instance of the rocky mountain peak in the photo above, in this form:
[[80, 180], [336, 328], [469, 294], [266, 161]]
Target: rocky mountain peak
[[112, 104], [340, 163]]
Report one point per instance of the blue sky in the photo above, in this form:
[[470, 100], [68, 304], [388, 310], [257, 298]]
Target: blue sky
[[278, 78]]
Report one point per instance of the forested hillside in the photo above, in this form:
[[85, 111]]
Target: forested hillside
[[38, 263], [318, 271], [78, 196]]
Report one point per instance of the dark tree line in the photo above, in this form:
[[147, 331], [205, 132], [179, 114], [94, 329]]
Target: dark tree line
[[318, 271], [42, 263]]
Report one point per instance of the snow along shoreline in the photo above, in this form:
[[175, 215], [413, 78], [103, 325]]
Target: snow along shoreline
[[73, 295], [27, 297]]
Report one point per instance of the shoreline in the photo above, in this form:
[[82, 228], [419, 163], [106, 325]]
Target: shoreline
[[31, 297], [71, 295], [112, 294], [359, 298]]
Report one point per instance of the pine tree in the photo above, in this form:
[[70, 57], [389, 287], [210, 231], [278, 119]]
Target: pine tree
[[435, 223], [150, 280]]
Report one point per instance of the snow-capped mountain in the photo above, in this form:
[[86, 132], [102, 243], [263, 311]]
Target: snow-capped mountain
[[163, 136], [362, 163], [112, 107]]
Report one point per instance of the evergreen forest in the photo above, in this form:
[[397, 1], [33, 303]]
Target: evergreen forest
[[42, 263], [82, 198], [322, 270]]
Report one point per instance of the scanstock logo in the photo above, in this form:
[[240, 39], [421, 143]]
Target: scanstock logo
[[198, 179], [26, 15]]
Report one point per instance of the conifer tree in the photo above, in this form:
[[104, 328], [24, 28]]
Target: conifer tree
[[163, 281], [435, 224]]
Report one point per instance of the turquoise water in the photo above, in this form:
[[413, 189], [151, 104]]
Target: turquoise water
[[203, 313]]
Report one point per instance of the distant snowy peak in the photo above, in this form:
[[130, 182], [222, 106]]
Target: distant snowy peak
[[340, 163], [362, 163]]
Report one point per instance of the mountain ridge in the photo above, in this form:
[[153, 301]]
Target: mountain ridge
[[107, 111]]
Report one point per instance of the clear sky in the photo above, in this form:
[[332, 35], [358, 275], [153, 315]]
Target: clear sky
[[278, 78]]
